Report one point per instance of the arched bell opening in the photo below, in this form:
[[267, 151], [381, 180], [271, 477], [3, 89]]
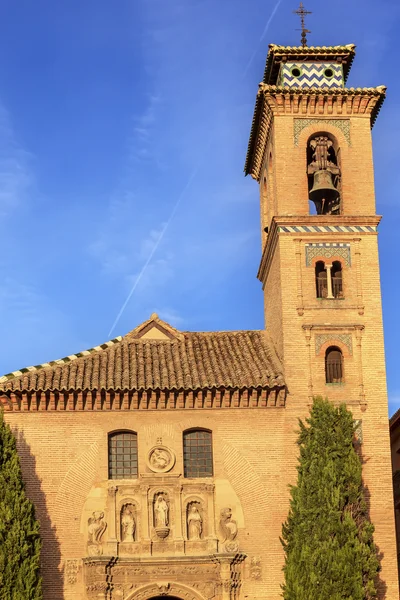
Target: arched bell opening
[[323, 172], [321, 280], [337, 279]]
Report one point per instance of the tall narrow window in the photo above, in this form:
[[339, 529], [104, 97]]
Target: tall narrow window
[[334, 365], [197, 453], [122, 455], [321, 280], [337, 280]]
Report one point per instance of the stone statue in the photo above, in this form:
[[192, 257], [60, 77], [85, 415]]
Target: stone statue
[[228, 529], [128, 524], [96, 528], [194, 522], [161, 512]]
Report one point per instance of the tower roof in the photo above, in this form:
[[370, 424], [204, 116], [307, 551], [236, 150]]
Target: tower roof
[[156, 356], [280, 54]]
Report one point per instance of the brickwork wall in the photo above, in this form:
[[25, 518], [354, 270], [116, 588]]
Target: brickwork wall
[[359, 313], [254, 460]]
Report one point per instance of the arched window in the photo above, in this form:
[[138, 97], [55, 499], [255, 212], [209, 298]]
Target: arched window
[[321, 280], [334, 365], [197, 453], [122, 455], [337, 280]]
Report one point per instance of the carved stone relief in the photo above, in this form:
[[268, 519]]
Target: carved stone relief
[[143, 579], [255, 567], [228, 530], [71, 570], [96, 529], [160, 459]]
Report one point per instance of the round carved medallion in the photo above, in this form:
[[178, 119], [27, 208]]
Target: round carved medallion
[[160, 459]]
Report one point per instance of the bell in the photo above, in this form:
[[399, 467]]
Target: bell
[[323, 193]]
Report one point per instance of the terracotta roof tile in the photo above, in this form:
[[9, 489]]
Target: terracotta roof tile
[[190, 360]]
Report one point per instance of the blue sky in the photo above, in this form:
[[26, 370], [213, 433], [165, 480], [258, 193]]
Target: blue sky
[[114, 113]]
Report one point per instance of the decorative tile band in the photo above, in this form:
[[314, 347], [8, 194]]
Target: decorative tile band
[[311, 75], [322, 338], [342, 124], [328, 250], [327, 229], [60, 361]]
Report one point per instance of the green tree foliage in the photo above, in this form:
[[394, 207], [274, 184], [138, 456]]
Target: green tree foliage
[[327, 538], [19, 530]]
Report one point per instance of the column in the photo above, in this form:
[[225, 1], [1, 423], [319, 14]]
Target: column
[[329, 280]]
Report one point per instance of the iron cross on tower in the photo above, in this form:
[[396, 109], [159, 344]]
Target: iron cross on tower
[[302, 12]]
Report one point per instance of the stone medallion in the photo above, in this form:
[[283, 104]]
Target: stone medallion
[[160, 459]]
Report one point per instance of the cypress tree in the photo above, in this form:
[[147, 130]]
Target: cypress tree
[[19, 530], [328, 537]]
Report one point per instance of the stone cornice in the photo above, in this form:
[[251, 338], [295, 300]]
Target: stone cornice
[[308, 103], [126, 400], [314, 227]]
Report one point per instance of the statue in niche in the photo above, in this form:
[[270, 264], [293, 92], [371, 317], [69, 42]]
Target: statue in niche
[[194, 522], [128, 523], [96, 528], [323, 175], [228, 530], [161, 512]]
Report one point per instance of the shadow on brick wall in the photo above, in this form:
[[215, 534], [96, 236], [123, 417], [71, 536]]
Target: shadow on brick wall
[[51, 555], [380, 583]]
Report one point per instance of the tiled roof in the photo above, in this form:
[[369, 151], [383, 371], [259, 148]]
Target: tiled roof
[[187, 360], [277, 54]]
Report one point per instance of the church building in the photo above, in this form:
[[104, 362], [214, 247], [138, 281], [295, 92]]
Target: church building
[[160, 462]]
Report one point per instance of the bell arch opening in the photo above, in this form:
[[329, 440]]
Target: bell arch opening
[[324, 174]]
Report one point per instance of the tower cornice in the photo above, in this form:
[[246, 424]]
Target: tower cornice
[[272, 101]]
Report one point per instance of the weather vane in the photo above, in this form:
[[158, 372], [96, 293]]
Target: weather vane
[[302, 12]]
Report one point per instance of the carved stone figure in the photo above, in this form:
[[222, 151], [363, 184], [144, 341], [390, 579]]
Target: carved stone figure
[[161, 512], [194, 522], [128, 523], [160, 459], [96, 528], [228, 529]]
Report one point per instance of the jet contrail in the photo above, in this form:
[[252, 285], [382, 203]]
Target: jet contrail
[[153, 250], [185, 189], [264, 33]]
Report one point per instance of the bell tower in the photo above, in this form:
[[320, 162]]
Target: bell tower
[[310, 150]]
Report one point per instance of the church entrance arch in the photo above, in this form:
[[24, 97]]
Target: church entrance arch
[[165, 591]]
